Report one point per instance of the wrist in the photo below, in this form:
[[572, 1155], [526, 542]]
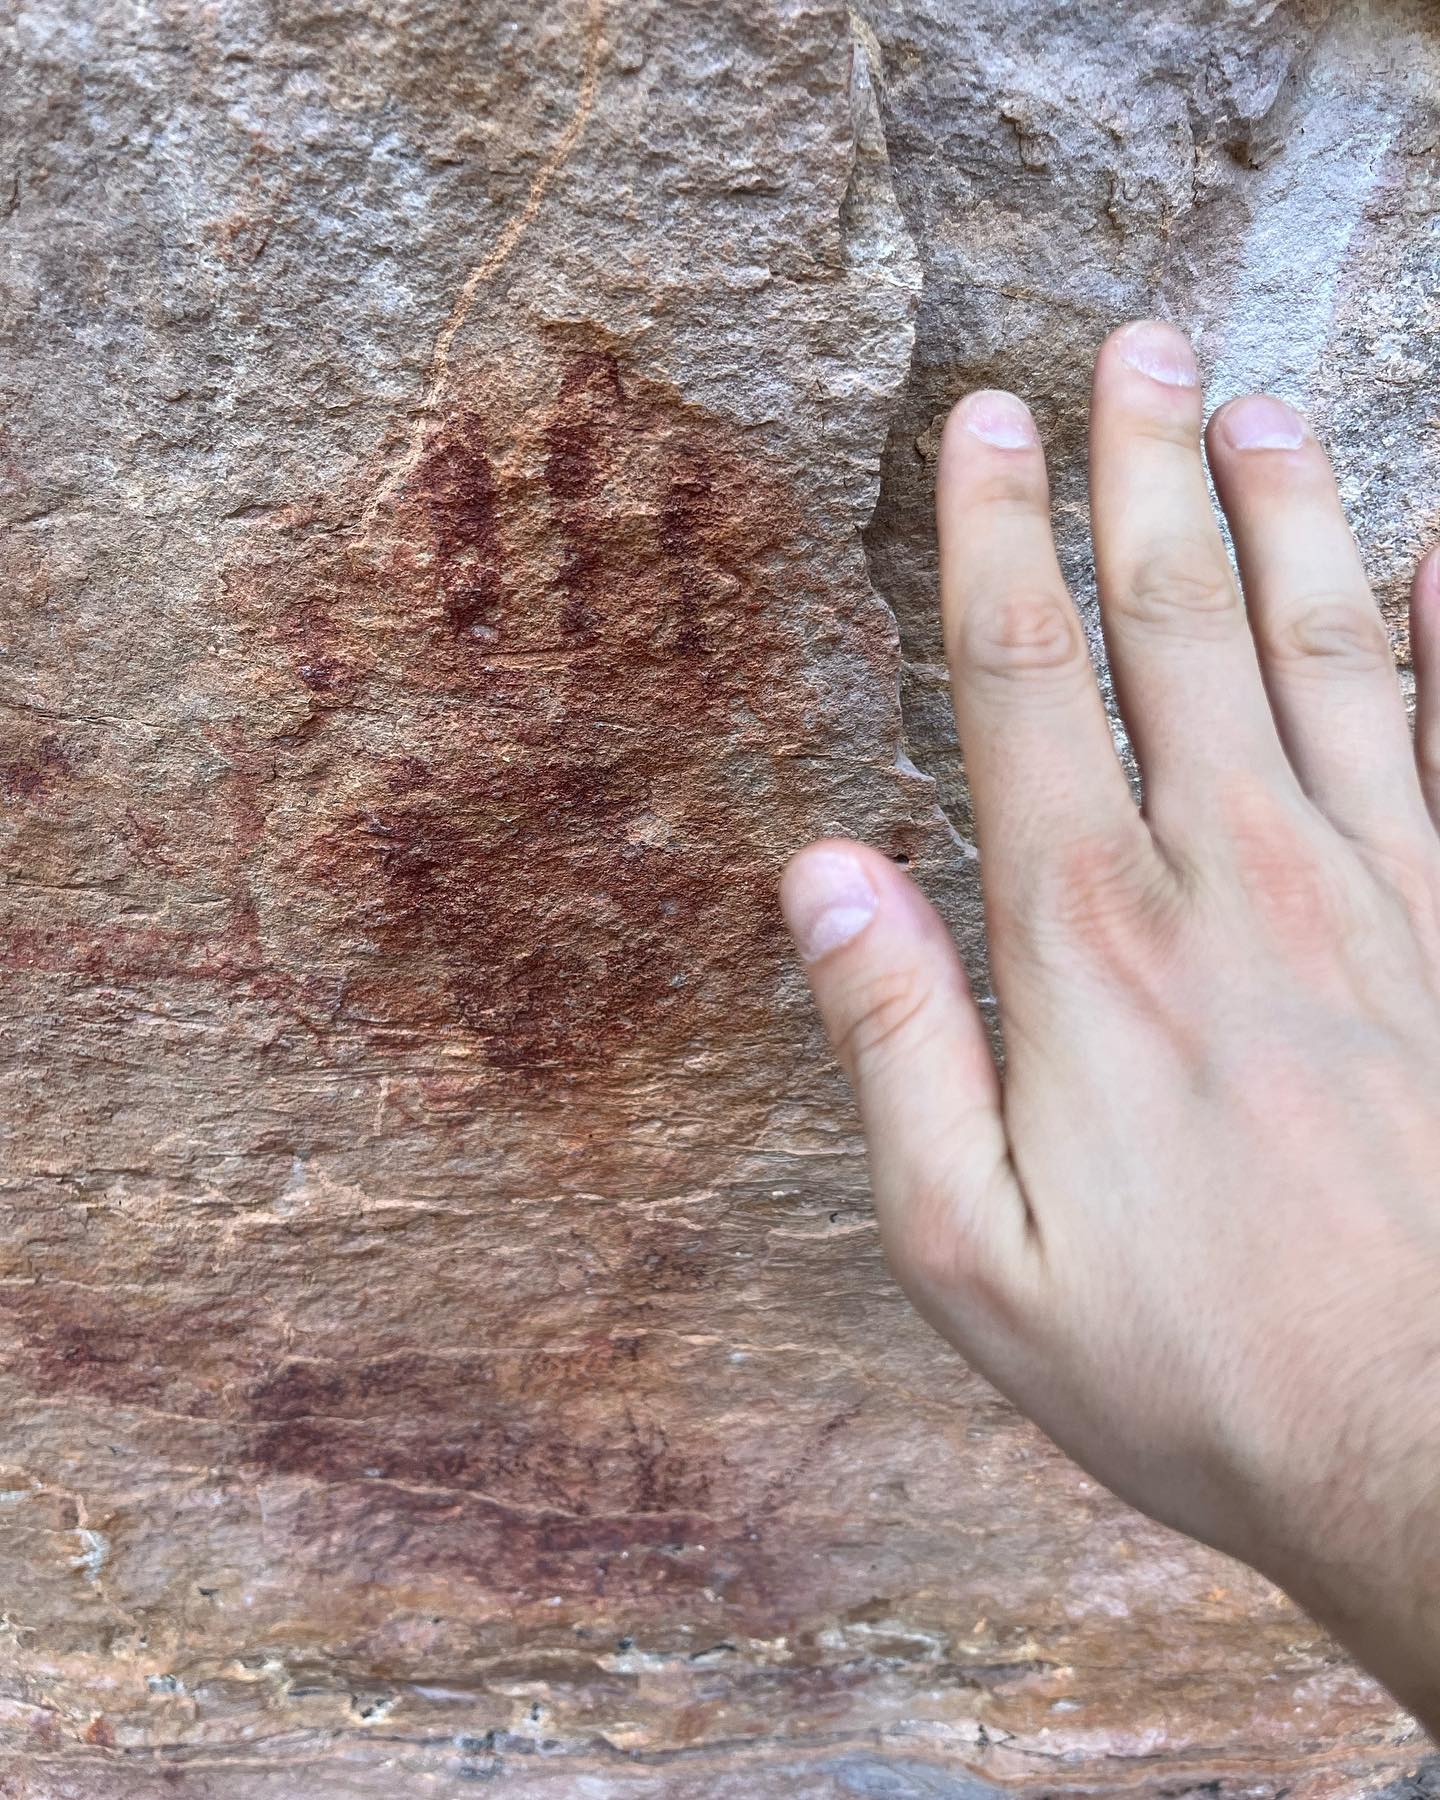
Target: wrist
[[1400, 1650], [1377, 1592]]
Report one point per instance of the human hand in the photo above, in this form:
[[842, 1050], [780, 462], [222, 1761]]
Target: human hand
[[1195, 1232]]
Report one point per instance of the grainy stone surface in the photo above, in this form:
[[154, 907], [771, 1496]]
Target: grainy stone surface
[[462, 469]]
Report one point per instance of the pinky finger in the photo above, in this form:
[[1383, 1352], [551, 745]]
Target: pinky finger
[[1425, 647]]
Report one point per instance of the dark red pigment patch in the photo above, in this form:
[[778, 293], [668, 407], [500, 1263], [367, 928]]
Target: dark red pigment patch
[[528, 798], [614, 1459], [29, 774], [463, 1446], [461, 502]]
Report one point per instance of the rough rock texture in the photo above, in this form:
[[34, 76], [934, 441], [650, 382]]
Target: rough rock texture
[[462, 468]]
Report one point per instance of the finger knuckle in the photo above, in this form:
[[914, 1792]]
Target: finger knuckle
[[1096, 893], [1293, 894], [1329, 634], [1102, 903], [1100, 881], [1026, 637], [1180, 590], [885, 1015], [935, 1259], [1294, 885], [940, 1250], [1011, 489], [1409, 867], [1169, 424]]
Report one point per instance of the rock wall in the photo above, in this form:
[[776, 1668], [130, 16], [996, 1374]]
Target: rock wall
[[463, 468]]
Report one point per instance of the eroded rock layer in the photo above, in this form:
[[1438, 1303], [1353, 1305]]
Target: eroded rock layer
[[463, 467]]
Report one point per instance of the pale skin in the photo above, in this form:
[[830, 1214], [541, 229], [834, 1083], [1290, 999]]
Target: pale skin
[[1194, 1229]]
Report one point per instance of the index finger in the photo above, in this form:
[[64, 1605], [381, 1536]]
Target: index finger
[[1037, 746]]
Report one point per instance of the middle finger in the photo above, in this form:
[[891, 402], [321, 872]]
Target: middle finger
[[1180, 648]]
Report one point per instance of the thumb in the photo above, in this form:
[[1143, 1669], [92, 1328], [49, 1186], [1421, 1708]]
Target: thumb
[[897, 1005]]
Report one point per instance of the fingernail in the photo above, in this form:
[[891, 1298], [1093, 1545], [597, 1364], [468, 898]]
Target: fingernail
[[1261, 423], [1161, 352], [828, 900], [999, 419]]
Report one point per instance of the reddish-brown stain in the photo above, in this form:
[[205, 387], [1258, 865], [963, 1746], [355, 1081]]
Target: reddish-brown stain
[[527, 1473], [45, 1733], [509, 774], [458, 485], [537, 713], [609, 1464], [470, 1423], [28, 774]]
